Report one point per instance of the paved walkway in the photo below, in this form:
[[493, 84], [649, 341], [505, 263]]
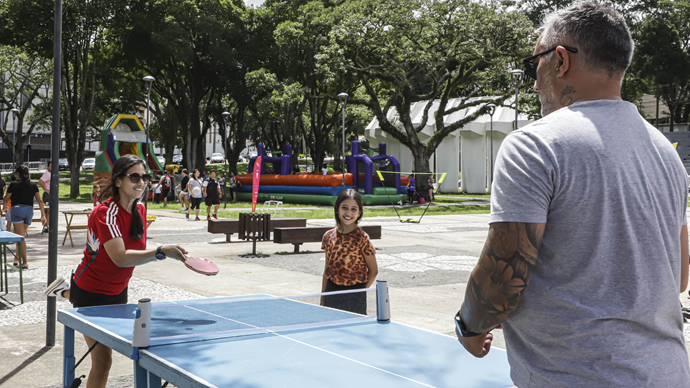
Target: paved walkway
[[427, 266]]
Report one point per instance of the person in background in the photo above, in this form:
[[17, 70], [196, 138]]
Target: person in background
[[22, 193], [165, 184], [222, 183], [410, 189], [430, 182], [96, 194], [7, 207], [233, 184], [184, 194], [194, 187], [211, 192], [44, 182], [324, 169], [158, 188]]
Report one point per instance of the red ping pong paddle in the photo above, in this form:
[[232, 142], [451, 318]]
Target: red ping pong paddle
[[202, 266]]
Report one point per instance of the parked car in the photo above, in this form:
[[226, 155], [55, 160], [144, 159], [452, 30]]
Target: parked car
[[161, 160], [89, 164], [217, 158], [63, 165], [177, 159]]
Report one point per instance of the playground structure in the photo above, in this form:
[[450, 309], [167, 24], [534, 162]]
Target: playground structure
[[122, 134], [320, 189]]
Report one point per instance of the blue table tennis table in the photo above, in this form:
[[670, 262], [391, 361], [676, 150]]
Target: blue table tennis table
[[190, 347]]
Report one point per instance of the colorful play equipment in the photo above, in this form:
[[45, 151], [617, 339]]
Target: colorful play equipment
[[319, 189], [121, 135]]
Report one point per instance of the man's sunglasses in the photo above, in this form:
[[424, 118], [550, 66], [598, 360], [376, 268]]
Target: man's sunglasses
[[531, 67], [135, 177]]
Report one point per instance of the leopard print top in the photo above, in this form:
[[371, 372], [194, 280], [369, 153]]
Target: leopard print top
[[345, 256]]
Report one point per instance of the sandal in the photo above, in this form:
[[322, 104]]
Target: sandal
[[25, 266], [16, 264]]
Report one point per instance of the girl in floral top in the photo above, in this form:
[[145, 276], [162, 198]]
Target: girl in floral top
[[350, 256]]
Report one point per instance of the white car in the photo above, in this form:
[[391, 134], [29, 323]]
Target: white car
[[88, 164], [161, 160], [217, 158]]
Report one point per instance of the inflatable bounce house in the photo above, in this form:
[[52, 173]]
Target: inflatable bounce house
[[278, 183], [122, 134]]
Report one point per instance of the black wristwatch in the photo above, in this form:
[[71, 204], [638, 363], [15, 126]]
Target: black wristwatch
[[159, 253], [461, 327]]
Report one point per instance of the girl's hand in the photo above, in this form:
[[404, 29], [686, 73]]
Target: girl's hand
[[175, 251], [43, 220]]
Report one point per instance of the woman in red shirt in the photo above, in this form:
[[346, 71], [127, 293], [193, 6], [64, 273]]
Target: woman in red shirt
[[116, 243]]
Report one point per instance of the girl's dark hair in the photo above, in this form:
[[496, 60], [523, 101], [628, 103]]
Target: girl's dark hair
[[120, 168], [347, 194], [23, 172]]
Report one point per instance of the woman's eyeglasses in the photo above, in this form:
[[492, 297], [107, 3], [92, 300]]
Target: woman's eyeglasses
[[135, 177], [531, 67]]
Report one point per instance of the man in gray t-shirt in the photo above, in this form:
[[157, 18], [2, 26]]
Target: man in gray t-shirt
[[587, 248]]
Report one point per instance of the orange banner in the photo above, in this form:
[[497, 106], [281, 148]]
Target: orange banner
[[256, 175]]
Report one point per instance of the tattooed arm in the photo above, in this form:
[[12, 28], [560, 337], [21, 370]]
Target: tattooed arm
[[498, 281]]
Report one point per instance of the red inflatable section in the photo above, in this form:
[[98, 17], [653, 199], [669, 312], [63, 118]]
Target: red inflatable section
[[303, 179], [404, 179]]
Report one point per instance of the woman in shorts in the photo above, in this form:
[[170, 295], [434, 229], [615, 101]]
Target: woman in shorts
[[115, 244], [194, 187], [22, 193]]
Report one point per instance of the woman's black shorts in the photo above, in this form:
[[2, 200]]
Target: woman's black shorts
[[195, 202], [356, 303], [83, 298]]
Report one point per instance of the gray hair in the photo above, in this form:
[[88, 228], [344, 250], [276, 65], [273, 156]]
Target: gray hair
[[598, 31]]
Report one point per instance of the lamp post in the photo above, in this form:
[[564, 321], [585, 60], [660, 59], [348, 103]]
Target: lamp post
[[491, 109], [14, 132], [226, 115], [516, 78], [343, 101], [149, 80]]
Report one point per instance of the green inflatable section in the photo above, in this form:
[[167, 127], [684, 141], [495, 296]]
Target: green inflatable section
[[326, 200], [384, 191]]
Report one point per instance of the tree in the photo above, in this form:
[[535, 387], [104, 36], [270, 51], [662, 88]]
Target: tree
[[189, 47], [24, 86], [404, 51]]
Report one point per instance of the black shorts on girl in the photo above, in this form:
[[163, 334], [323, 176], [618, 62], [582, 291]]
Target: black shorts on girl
[[83, 298], [355, 302]]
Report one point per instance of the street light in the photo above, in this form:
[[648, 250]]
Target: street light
[[14, 133], [149, 80], [491, 109], [226, 115], [516, 78], [343, 101]]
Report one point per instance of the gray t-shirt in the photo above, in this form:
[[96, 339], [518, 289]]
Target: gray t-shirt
[[602, 307]]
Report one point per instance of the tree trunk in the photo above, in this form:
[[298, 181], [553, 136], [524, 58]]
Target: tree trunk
[[74, 181]]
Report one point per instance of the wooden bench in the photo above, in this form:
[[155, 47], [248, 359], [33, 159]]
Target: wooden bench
[[298, 236], [228, 227]]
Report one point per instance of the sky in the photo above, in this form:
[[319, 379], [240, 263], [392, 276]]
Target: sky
[[255, 3]]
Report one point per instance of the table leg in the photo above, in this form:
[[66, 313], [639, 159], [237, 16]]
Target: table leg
[[144, 378], [69, 228], [68, 358], [3, 270], [21, 279], [68, 223]]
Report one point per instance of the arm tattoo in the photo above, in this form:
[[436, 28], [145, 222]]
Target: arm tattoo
[[501, 275], [566, 95]]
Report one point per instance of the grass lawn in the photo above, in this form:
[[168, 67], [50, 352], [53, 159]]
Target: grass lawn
[[327, 212], [460, 195]]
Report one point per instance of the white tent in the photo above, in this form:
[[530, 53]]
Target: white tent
[[466, 150]]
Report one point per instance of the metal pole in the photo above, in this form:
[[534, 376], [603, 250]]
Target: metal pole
[[55, 173], [148, 80], [343, 101], [516, 78], [491, 108], [227, 173], [14, 131]]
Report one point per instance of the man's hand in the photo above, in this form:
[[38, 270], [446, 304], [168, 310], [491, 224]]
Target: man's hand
[[478, 346]]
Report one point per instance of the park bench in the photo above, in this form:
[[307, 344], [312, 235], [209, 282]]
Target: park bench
[[298, 236], [231, 226]]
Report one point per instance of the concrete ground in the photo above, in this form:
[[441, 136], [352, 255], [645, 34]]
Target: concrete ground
[[427, 266]]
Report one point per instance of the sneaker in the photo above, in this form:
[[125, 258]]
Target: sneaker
[[165, 205], [215, 216], [197, 219], [183, 209], [57, 287], [208, 218], [186, 215]]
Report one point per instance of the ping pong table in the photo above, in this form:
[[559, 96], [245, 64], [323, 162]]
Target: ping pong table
[[189, 347]]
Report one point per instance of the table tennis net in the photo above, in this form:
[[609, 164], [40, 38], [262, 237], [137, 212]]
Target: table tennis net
[[202, 320]]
